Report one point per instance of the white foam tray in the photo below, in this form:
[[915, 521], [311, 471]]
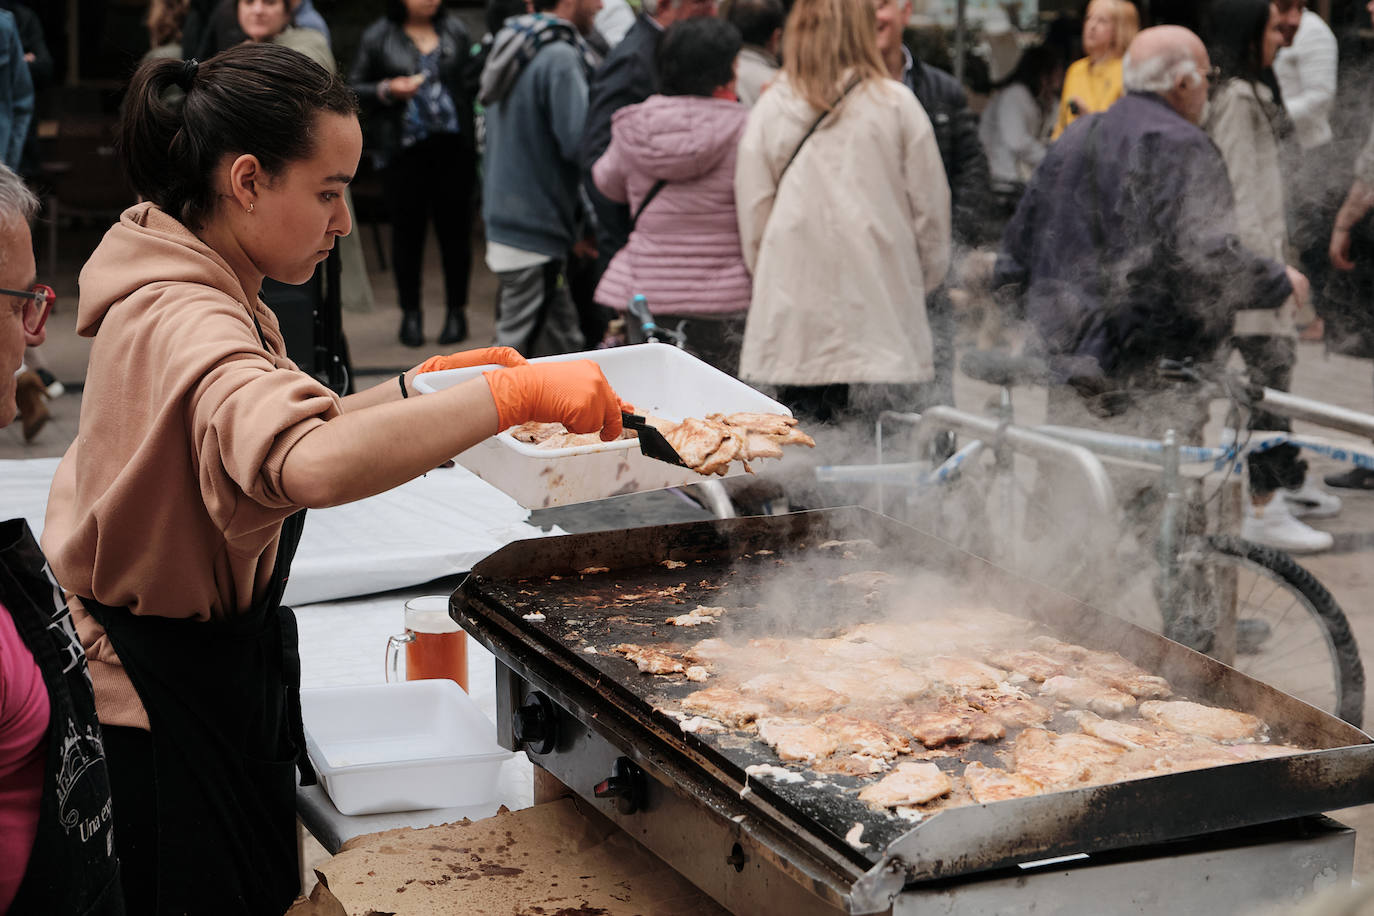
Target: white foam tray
[[401, 747], [657, 379]]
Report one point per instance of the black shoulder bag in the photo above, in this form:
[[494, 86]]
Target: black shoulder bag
[[812, 129], [653, 192]]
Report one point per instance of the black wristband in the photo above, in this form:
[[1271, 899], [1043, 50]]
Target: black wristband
[[402, 379]]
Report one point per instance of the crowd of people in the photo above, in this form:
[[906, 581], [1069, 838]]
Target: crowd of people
[[623, 150], [798, 216], [1234, 256]]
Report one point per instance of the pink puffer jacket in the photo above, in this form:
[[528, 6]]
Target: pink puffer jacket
[[684, 254]]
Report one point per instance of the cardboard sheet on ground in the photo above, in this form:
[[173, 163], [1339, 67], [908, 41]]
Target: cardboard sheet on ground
[[549, 860], [434, 526]]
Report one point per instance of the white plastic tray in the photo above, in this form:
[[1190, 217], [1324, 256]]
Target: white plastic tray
[[401, 746], [657, 379]]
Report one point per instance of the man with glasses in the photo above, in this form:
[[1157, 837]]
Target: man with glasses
[[1123, 250], [37, 303], [24, 307], [30, 390], [52, 766]]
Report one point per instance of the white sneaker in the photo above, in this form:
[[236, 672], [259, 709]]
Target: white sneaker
[[1273, 525], [1311, 501]]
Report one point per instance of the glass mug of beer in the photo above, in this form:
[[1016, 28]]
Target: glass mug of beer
[[435, 646]]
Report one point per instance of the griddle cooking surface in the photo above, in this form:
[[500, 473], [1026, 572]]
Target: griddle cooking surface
[[546, 594], [603, 609]]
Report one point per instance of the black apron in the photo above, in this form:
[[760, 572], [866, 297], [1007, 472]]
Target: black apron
[[73, 868], [223, 704]]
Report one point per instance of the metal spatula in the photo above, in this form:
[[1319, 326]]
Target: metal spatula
[[651, 441]]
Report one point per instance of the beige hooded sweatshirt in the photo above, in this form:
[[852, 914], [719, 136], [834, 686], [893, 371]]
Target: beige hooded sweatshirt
[[170, 500]]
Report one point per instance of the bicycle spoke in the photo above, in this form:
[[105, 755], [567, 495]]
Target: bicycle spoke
[[1288, 653], [1282, 618], [1294, 651]]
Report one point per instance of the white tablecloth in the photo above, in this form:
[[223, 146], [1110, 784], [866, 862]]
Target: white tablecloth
[[434, 526]]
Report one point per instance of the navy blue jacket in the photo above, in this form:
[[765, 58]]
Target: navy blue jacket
[[628, 77], [1169, 273], [956, 133]]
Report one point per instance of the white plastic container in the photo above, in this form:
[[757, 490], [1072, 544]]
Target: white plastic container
[[658, 379], [401, 747]]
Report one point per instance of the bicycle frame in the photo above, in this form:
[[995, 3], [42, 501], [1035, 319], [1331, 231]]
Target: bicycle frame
[[652, 331], [1006, 440], [1327, 415]]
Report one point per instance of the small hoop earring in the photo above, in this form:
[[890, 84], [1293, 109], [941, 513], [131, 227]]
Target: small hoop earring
[[250, 206]]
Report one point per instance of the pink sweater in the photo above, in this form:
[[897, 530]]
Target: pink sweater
[[684, 254], [24, 712]]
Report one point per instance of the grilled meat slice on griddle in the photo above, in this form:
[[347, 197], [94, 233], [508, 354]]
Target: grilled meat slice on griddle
[[910, 783], [1208, 721], [990, 784]]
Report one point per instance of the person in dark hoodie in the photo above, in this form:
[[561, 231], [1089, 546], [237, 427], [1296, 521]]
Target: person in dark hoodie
[[534, 91], [628, 76], [672, 159]]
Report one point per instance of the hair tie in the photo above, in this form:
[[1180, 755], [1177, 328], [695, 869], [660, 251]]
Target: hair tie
[[188, 74]]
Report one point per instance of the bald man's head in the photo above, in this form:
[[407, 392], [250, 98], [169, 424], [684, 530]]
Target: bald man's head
[[1169, 61]]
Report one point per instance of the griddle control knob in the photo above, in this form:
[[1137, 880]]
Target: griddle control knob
[[625, 786], [535, 724]]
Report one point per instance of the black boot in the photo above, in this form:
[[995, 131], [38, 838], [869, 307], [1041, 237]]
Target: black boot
[[455, 327], [412, 333]]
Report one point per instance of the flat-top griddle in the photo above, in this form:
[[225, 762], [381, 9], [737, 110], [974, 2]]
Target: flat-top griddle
[[559, 605]]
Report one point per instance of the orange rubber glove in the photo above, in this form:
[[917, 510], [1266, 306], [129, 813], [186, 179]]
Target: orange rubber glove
[[499, 356], [574, 393]]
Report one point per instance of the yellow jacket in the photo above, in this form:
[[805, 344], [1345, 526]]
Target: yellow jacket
[[1096, 87]]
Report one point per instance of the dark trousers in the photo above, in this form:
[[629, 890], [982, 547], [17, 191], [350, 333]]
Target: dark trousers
[[434, 178], [1348, 302], [943, 327], [1317, 196], [816, 403], [133, 791], [1269, 362], [583, 274]]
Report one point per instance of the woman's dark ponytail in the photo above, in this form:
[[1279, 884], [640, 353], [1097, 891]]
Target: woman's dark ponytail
[[181, 119], [148, 126]]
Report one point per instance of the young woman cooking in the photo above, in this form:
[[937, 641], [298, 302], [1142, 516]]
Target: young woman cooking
[[273, 21], [174, 515]]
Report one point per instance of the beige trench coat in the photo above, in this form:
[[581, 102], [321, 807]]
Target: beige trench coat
[[844, 251]]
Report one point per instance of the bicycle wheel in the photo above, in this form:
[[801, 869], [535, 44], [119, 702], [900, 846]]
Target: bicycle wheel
[[1290, 633]]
